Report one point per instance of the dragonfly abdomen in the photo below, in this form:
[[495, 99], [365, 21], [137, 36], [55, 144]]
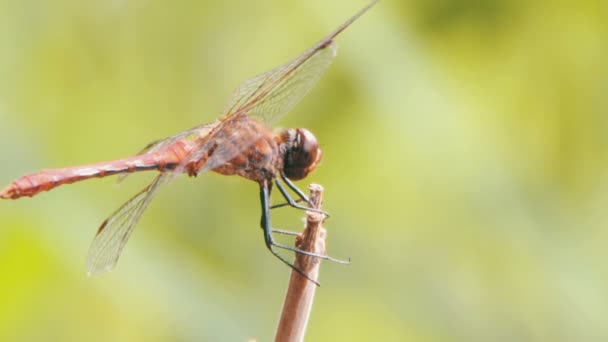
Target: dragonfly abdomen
[[32, 184]]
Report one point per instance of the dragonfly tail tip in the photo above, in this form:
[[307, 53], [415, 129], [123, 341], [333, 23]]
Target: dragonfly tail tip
[[9, 192]]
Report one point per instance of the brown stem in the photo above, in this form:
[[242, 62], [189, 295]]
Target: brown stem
[[301, 291]]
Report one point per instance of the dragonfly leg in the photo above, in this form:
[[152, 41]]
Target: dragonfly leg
[[265, 189], [294, 203], [295, 189], [284, 232], [274, 230], [284, 204]]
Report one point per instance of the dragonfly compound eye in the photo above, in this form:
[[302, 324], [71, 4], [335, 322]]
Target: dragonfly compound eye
[[303, 156]]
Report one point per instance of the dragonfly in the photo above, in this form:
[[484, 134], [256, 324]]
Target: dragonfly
[[241, 142]]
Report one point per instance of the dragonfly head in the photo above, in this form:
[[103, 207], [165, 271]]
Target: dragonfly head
[[301, 154]]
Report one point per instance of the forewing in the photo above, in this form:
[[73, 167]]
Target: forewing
[[267, 97], [270, 95], [116, 229]]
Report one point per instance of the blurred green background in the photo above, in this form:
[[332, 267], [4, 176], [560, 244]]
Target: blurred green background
[[465, 167]]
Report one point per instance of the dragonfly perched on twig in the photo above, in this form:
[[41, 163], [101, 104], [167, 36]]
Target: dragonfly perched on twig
[[239, 143]]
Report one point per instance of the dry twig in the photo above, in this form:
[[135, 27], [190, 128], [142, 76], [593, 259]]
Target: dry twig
[[301, 291]]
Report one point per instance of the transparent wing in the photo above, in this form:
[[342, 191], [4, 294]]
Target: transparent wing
[[270, 95], [159, 144], [116, 229], [266, 98], [162, 143]]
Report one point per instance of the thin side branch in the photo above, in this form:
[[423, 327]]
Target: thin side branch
[[301, 291]]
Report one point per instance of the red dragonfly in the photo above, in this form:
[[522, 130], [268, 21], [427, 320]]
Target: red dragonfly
[[239, 143]]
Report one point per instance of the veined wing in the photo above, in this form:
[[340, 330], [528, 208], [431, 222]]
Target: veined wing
[[270, 95], [277, 93], [162, 143], [116, 229]]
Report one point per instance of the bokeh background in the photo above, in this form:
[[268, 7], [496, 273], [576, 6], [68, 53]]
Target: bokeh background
[[465, 166]]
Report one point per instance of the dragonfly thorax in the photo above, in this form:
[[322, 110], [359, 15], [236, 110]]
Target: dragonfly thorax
[[301, 152]]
